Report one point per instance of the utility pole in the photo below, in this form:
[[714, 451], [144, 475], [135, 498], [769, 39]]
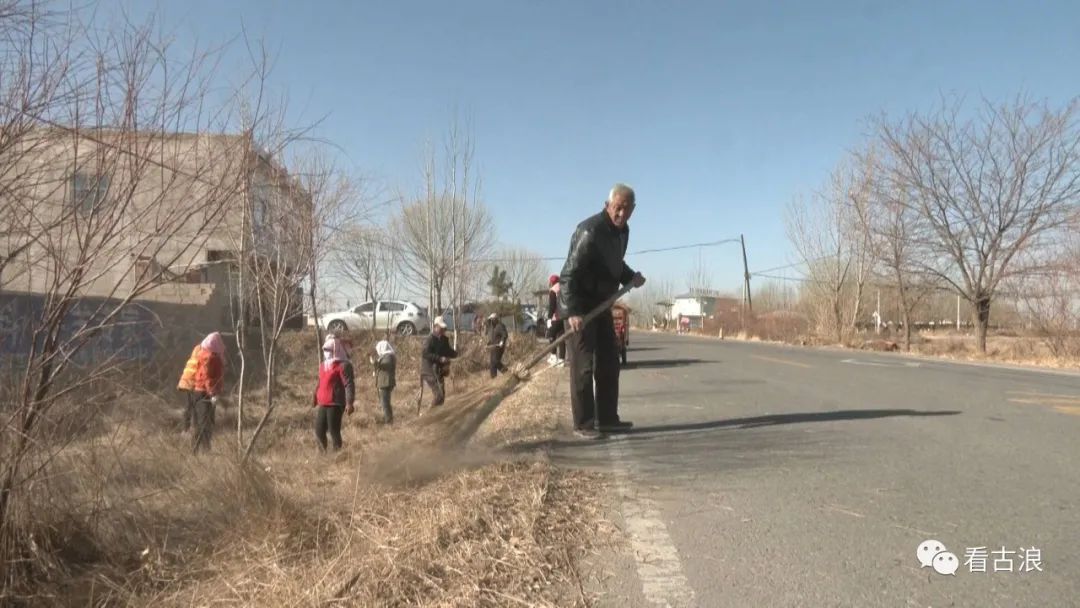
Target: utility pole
[[746, 277], [742, 310], [957, 312]]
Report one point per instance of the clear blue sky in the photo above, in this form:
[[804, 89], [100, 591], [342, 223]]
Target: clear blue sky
[[718, 113]]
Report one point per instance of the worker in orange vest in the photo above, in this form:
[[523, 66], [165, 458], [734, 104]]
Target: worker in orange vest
[[187, 385], [203, 379]]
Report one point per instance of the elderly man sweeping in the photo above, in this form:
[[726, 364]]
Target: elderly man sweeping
[[435, 362], [593, 272]]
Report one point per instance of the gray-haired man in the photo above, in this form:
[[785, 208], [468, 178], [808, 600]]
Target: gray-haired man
[[593, 272]]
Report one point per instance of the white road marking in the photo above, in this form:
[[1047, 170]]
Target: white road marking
[[839, 509], [882, 363], [681, 406], [659, 569]]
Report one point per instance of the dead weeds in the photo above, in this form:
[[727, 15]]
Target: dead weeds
[[130, 517]]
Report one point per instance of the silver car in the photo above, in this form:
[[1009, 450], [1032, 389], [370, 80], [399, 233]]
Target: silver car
[[405, 318]]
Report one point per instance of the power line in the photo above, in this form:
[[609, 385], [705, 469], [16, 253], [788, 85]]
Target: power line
[[383, 243], [1005, 293], [639, 252], [678, 247], [793, 265]]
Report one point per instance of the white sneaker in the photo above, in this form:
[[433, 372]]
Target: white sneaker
[[552, 359], [560, 363]]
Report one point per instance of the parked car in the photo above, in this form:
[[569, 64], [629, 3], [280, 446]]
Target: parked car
[[473, 316], [405, 318], [469, 320], [529, 322]]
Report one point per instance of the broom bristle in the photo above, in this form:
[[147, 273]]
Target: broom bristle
[[458, 418]]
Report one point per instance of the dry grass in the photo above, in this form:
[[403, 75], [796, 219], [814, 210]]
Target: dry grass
[[126, 516], [1059, 352], [1019, 350]]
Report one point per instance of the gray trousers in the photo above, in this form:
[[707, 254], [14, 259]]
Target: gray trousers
[[203, 417], [384, 400], [438, 389]]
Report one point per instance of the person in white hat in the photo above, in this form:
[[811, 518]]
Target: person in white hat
[[385, 362], [497, 337], [435, 361]]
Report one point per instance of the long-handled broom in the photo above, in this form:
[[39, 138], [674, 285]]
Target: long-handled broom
[[460, 417]]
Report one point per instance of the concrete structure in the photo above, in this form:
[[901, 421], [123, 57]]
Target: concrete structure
[[696, 303], [161, 215]]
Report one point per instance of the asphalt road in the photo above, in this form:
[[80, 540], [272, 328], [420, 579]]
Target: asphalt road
[[760, 475]]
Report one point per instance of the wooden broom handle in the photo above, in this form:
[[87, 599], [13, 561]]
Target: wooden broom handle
[[550, 348]]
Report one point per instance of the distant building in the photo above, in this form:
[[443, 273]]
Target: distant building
[[695, 304], [77, 175]]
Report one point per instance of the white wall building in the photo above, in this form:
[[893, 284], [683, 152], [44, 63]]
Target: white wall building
[[695, 303]]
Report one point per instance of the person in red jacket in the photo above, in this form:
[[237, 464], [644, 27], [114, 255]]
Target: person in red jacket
[[207, 387], [335, 393]]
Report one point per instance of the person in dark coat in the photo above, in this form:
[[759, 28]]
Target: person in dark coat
[[594, 270], [496, 343], [435, 361]]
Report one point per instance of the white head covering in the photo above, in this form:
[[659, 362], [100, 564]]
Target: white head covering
[[334, 350], [383, 348]]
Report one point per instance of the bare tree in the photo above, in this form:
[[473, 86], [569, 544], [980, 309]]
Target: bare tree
[[117, 178], [774, 295], [855, 181], [699, 277], [1050, 300], [819, 229], [646, 300], [280, 237], [337, 209], [892, 231], [38, 66], [525, 270], [989, 188], [447, 228], [366, 257]]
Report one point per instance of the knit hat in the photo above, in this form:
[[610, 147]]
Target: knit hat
[[214, 344]]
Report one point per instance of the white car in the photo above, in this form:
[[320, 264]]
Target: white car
[[529, 321], [400, 316]]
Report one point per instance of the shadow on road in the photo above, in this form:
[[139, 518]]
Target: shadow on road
[[752, 422], [639, 349], [797, 418], [662, 363]]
